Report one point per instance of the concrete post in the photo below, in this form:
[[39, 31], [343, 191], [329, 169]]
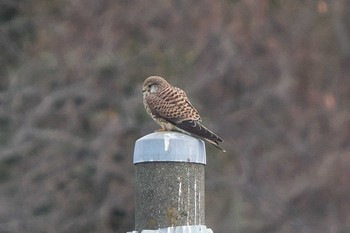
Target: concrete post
[[169, 170]]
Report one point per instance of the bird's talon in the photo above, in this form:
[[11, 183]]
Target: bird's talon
[[160, 130]]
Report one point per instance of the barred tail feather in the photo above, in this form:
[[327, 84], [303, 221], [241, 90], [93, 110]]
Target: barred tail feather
[[215, 144], [197, 129]]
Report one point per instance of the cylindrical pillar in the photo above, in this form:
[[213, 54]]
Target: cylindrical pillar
[[169, 170]]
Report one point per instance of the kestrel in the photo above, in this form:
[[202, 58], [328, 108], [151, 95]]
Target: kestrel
[[170, 108]]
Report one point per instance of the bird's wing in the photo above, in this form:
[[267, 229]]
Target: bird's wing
[[195, 114], [174, 106], [196, 128]]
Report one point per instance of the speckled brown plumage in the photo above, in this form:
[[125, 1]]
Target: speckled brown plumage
[[171, 109]]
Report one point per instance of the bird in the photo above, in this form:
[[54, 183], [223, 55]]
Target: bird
[[170, 108]]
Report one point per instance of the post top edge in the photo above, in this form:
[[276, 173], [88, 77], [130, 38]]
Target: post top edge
[[169, 146]]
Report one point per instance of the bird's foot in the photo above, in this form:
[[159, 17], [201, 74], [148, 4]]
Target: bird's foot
[[160, 130]]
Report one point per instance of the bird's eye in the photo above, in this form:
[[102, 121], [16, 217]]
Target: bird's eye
[[152, 88]]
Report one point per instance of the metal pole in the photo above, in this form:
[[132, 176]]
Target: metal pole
[[169, 169]]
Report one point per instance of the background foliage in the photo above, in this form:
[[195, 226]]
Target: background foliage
[[271, 77]]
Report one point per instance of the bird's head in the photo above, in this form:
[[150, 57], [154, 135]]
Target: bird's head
[[153, 84]]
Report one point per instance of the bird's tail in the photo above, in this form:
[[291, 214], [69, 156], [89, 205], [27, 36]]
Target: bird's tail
[[197, 129], [215, 144]]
